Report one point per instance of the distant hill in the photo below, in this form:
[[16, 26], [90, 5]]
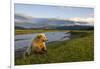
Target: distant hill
[[25, 22], [75, 27], [17, 27], [62, 28]]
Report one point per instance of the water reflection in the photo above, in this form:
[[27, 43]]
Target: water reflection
[[26, 39]]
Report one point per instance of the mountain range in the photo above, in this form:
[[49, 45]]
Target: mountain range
[[27, 22]]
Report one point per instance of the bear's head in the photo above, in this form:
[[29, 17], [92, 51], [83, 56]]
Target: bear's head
[[42, 37]]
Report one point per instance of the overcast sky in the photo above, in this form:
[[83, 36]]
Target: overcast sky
[[45, 11]]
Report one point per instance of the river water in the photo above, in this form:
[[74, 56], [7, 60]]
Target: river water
[[25, 40]]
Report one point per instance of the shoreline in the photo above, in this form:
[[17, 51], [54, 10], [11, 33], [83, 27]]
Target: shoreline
[[74, 35], [21, 32]]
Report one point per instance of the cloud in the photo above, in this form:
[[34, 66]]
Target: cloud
[[77, 19], [90, 15], [21, 18]]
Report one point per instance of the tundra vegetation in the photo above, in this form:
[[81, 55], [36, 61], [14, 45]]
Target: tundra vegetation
[[79, 48]]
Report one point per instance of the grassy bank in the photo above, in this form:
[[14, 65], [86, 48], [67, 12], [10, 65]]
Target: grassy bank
[[79, 48], [18, 32]]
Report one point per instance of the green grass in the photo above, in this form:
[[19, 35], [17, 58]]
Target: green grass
[[17, 32], [78, 48]]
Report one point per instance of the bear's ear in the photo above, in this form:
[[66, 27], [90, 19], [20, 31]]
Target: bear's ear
[[39, 36]]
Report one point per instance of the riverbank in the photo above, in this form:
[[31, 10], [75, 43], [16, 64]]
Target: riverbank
[[19, 32], [79, 48]]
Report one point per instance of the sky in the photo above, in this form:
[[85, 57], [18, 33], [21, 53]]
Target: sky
[[46, 11]]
